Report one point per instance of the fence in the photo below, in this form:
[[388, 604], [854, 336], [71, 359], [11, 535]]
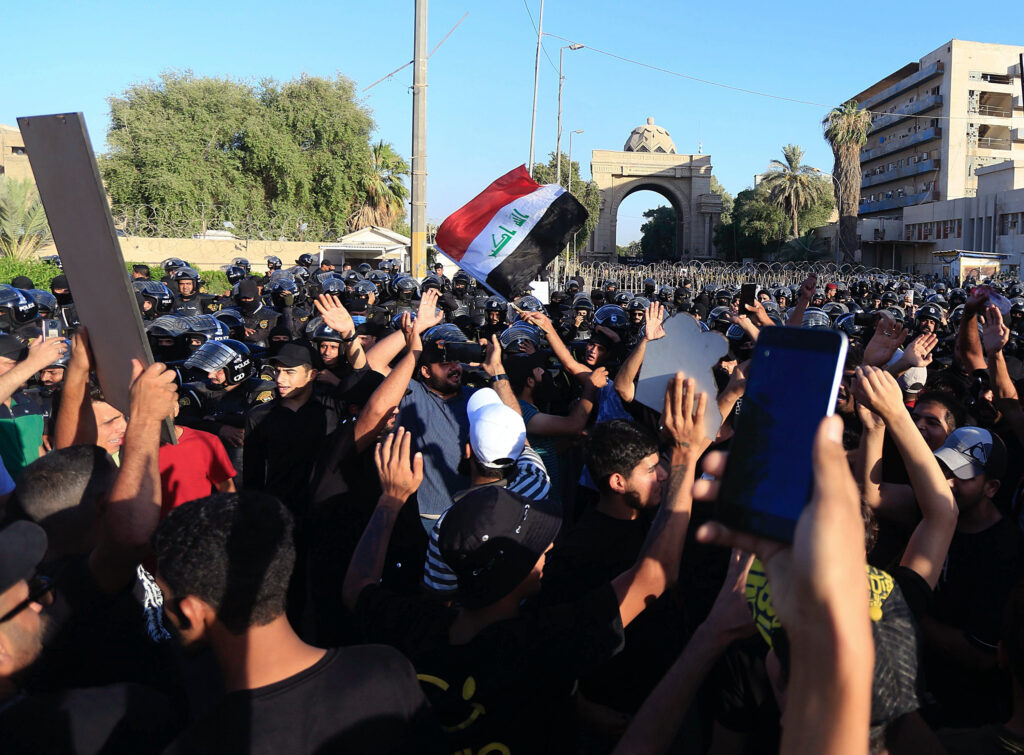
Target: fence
[[217, 222], [700, 274]]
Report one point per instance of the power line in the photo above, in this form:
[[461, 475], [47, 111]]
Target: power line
[[744, 90], [406, 65], [542, 47]]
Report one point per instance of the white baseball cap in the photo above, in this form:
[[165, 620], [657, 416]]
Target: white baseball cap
[[497, 433]]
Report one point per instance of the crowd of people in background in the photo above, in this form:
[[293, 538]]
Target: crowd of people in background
[[349, 510]]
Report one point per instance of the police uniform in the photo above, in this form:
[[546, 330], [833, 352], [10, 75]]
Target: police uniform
[[196, 304], [262, 321]]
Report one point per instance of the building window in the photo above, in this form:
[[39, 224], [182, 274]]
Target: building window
[[17, 150], [959, 227]]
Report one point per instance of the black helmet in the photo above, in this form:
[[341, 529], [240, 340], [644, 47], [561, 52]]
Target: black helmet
[[406, 288], [723, 296], [848, 324], [571, 284], [957, 297], [172, 263], [529, 303], [235, 274], [280, 287], [17, 308], [229, 355], [462, 278], [274, 263], [46, 302], [929, 312], [156, 293], [719, 318], [351, 278], [324, 332], [304, 260], [166, 326], [186, 273], [380, 278], [815, 318], [610, 285], [199, 329], [301, 274], [234, 321], [331, 283], [496, 304], [783, 292], [436, 337], [243, 263], [515, 335], [622, 298], [834, 309], [611, 316], [638, 304], [431, 281], [364, 268], [665, 294]]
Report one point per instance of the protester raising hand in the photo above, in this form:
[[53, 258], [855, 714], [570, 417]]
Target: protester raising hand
[[889, 336], [994, 333], [654, 322], [682, 420], [335, 315], [400, 471], [428, 315], [818, 593]]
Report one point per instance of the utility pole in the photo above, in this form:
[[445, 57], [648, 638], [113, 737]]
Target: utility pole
[[558, 142], [418, 205], [536, 81]]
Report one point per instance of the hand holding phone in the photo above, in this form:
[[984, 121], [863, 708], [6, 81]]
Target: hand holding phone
[[793, 380], [747, 293]]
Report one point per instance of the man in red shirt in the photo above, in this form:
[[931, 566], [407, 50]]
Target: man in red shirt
[[195, 467]]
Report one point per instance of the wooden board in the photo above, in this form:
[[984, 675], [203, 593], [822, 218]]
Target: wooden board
[[76, 207]]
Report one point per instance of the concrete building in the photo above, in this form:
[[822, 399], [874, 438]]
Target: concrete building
[[938, 120], [13, 157]]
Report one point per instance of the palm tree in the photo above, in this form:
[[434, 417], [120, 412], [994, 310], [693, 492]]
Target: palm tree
[[383, 192], [846, 131], [792, 186], [23, 226]]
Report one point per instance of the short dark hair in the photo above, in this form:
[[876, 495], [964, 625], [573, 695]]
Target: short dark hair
[[233, 551], [60, 491], [956, 412], [616, 447]]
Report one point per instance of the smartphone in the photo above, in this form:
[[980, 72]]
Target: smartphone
[[51, 329], [467, 353], [794, 379], [747, 293]]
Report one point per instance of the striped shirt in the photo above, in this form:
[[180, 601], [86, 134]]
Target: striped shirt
[[530, 481]]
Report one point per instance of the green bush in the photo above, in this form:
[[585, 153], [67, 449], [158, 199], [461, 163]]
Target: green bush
[[41, 273]]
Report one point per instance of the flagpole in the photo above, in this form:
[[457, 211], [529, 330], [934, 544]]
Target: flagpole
[[536, 81]]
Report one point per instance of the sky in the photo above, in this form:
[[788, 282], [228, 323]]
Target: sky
[[74, 55]]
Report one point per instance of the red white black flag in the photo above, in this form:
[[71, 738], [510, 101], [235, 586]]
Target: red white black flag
[[510, 231]]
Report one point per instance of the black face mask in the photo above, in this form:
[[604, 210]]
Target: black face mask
[[63, 299], [248, 307]]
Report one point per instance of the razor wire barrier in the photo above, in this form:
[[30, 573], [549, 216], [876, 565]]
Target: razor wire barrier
[[203, 221], [710, 272]]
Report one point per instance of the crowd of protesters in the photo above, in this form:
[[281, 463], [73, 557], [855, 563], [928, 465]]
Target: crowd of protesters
[[403, 515]]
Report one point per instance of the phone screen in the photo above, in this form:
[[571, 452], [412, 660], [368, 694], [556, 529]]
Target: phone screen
[[747, 292], [794, 379]]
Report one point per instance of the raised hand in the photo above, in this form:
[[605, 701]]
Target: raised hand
[[654, 318], [888, 337], [807, 288], [879, 391], [919, 352], [400, 471], [428, 315], [154, 393], [335, 315], [994, 333], [682, 418]]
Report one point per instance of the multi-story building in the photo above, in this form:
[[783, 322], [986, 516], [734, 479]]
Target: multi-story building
[[936, 121], [13, 158]]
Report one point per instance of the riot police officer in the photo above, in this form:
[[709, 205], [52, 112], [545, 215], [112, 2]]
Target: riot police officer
[[189, 301]]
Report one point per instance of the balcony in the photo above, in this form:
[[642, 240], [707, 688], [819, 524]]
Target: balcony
[[926, 73], [896, 202], [922, 166], [891, 146], [912, 108], [987, 142]]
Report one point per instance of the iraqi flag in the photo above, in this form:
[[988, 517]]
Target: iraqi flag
[[510, 231]]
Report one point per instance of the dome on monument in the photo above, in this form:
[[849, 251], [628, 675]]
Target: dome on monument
[[650, 138]]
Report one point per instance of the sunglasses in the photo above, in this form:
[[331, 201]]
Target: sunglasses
[[38, 588]]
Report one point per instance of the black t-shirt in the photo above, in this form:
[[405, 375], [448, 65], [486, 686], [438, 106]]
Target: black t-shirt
[[596, 551], [361, 699], [510, 687], [119, 718], [746, 703]]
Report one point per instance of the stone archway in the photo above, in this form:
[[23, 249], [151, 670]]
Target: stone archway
[[678, 201], [649, 161]]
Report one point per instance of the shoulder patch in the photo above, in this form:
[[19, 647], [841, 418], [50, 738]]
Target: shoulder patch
[[264, 397], [184, 401], [264, 323]]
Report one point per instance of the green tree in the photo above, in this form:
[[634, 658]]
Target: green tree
[[659, 234], [792, 185], [195, 151], [846, 131], [23, 227], [727, 200], [585, 191], [384, 194]]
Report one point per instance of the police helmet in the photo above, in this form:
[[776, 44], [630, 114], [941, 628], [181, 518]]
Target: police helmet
[[229, 355]]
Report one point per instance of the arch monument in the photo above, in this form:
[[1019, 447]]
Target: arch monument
[[649, 161]]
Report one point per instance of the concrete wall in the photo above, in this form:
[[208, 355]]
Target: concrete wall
[[211, 254]]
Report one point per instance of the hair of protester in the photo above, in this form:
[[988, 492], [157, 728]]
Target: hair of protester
[[854, 357], [233, 551], [62, 491], [956, 412], [616, 447]]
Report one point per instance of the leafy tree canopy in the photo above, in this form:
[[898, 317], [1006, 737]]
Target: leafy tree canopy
[[659, 234], [299, 149], [23, 227]]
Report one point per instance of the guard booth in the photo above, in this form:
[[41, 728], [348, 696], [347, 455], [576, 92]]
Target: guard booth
[[371, 244], [958, 265]]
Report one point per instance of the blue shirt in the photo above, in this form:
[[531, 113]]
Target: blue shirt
[[440, 430]]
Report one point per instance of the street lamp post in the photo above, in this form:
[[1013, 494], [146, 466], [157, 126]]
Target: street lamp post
[[558, 140], [569, 189]]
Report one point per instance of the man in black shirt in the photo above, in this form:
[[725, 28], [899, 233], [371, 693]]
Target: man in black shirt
[[500, 673], [224, 565]]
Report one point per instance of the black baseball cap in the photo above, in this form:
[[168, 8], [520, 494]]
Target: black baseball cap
[[12, 347], [22, 547], [491, 539], [293, 355]]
